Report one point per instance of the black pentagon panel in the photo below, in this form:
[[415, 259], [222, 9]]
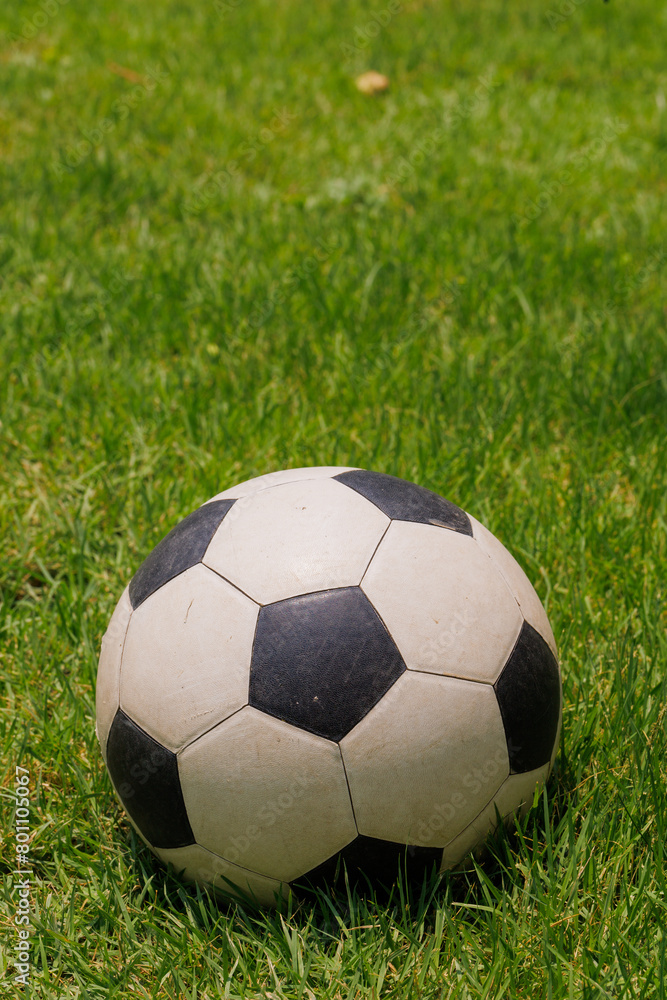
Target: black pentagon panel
[[182, 548], [322, 661], [528, 692], [145, 775], [380, 861], [405, 501]]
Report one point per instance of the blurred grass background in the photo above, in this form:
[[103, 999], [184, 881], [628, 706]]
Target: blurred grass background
[[218, 258]]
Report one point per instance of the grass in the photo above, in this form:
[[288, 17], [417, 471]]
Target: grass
[[485, 315]]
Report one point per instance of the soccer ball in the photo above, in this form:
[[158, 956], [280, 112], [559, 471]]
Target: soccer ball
[[325, 663]]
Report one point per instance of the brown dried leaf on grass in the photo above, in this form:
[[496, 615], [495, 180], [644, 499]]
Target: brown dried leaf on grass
[[372, 82]]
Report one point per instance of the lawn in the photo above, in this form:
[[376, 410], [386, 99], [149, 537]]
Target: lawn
[[218, 259]]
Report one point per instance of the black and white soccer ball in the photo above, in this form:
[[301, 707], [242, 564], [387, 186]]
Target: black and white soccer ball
[[325, 662]]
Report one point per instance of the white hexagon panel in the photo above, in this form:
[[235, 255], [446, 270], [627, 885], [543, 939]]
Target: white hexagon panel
[[455, 759], [186, 661], [448, 608], [296, 538], [266, 795]]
